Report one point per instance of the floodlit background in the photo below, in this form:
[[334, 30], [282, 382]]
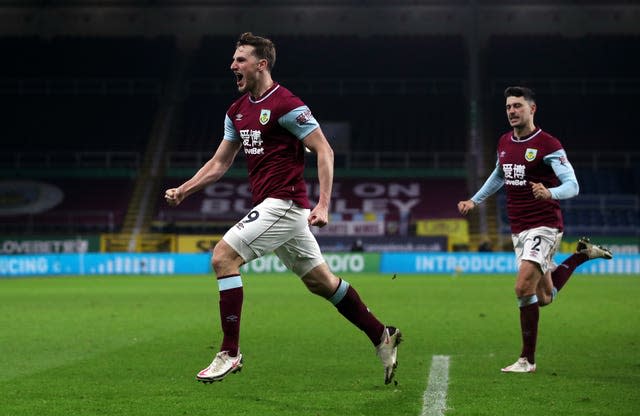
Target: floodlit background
[[106, 103]]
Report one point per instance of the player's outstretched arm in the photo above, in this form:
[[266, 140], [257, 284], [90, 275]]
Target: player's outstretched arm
[[210, 172], [490, 187], [317, 143]]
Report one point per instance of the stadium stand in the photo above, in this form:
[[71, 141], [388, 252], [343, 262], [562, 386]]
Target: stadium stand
[[586, 86], [90, 102], [583, 121], [77, 93], [88, 205], [382, 56], [87, 122], [78, 115], [593, 56], [593, 214], [382, 100], [376, 56], [587, 89], [88, 57]]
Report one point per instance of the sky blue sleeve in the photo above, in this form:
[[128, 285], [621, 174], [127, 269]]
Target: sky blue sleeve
[[493, 183], [564, 171], [299, 121], [230, 132]]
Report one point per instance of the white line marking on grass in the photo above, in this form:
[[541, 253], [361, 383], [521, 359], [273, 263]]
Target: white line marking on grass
[[435, 396]]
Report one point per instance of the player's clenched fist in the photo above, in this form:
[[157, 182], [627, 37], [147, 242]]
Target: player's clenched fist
[[465, 206], [540, 191], [173, 196], [318, 217]]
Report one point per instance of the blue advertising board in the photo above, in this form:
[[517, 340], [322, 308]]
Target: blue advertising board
[[404, 262], [493, 263], [104, 264]]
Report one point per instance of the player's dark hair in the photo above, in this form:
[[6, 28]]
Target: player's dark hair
[[264, 48], [525, 92]]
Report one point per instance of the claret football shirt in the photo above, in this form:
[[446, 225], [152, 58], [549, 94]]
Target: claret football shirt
[[521, 162], [271, 129]]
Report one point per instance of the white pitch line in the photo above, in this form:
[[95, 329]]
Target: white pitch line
[[435, 396]]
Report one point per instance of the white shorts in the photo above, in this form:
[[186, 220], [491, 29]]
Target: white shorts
[[538, 245], [278, 226]]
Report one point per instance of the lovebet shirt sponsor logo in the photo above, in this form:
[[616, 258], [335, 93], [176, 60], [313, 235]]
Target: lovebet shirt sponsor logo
[[338, 263]]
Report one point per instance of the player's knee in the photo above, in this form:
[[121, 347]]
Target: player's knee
[[215, 263], [314, 287], [527, 281], [522, 290], [319, 287], [224, 259], [321, 283]]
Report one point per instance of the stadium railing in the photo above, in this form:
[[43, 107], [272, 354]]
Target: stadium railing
[[355, 159], [77, 221], [592, 214], [80, 159], [80, 86], [358, 159]]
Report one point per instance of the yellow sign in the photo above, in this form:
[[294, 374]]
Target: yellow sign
[[197, 243], [142, 243], [456, 230], [568, 246]]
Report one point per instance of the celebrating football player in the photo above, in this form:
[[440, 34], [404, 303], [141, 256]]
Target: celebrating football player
[[533, 167], [273, 127]]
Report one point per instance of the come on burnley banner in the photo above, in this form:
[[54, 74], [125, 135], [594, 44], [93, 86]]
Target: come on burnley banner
[[230, 199], [358, 228]]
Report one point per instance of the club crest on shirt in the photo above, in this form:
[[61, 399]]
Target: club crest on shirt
[[264, 116], [530, 154]]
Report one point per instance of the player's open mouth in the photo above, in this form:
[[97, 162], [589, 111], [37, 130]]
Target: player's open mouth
[[239, 77]]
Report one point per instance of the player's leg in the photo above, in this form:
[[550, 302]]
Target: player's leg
[[528, 276], [533, 250], [302, 255], [348, 302], [345, 298], [249, 239], [226, 265], [585, 251]]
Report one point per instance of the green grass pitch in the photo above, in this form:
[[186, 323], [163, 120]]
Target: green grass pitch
[[131, 345]]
